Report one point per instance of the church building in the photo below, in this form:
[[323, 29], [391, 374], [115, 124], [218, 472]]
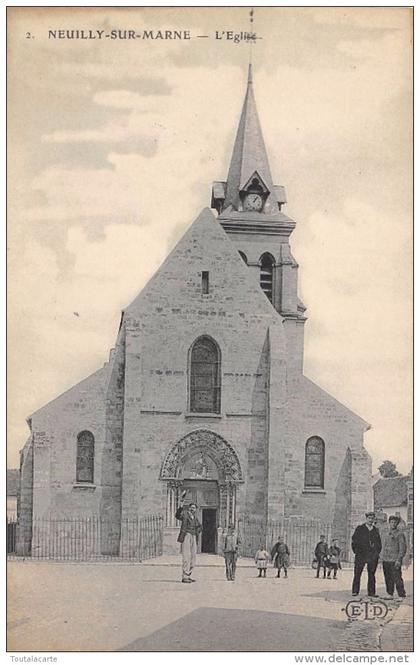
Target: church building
[[205, 389]]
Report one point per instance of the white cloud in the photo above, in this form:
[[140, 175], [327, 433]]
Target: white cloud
[[127, 99], [364, 17], [142, 188], [352, 283], [127, 257], [110, 133]]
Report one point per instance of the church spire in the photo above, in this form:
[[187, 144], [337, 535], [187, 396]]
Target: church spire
[[249, 167]]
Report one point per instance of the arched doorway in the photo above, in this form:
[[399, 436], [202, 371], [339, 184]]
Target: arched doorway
[[207, 467]]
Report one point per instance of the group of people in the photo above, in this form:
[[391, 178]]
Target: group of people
[[368, 547], [280, 556], [327, 557], [188, 537], [366, 544]]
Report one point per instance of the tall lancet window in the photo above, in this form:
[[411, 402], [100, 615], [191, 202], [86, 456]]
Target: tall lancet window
[[85, 457], [266, 275], [205, 376], [314, 463]]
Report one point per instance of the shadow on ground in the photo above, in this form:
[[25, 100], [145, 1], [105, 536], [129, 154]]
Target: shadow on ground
[[219, 629], [339, 596]]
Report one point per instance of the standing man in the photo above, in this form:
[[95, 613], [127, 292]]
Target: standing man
[[230, 552], [188, 536], [393, 553], [366, 544], [321, 551]]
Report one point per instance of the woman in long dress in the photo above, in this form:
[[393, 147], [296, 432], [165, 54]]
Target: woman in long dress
[[280, 555]]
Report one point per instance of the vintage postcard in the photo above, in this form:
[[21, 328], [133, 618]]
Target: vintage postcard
[[210, 329]]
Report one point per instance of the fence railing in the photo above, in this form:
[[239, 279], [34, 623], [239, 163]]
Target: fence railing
[[300, 534], [11, 526], [89, 538]]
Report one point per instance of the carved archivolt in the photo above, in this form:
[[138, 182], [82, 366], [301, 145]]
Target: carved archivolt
[[210, 444]]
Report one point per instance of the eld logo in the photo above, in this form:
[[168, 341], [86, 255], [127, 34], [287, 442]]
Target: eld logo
[[366, 609]]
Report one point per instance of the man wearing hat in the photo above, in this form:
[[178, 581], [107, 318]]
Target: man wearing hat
[[393, 553], [188, 536], [366, 544]]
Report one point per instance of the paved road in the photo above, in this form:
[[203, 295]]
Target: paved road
[[112, 606], [211, 629], [398, 634]]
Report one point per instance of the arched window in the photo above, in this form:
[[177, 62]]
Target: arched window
[[314, 463], [243, 257], [266, 275], [205, 376], [85, 457]]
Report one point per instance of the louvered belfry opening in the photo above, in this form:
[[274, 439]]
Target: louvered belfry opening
[[205, 376], [266, 275]]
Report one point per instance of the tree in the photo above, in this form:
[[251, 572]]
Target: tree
[[388, 469]]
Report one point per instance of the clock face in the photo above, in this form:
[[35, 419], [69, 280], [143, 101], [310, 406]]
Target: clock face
[[253, 202]]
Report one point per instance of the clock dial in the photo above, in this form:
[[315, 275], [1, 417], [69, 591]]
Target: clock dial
[[253, 202]]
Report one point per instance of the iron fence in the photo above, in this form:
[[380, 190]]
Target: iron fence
[[11, 529], [300, 534], [90, 538]]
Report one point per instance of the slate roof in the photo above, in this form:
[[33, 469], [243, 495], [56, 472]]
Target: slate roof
[[249, 154], [388, 492]]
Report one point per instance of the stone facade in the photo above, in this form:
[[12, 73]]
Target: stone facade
[[247, 457]]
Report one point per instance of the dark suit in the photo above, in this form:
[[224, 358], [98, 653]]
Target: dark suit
[[321, 551], [189, 524], [366, 545], [188, 537]]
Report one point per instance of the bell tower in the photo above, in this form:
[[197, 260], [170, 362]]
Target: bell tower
[[249, 208]]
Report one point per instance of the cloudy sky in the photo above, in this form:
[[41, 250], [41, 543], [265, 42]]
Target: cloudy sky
[[114, 144]]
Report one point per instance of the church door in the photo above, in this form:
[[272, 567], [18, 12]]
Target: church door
[[209, 534], [205, 493]]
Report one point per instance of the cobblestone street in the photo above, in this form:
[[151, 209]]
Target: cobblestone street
[[141, 607]]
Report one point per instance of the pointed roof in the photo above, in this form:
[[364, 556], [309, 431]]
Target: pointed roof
[[390, 492], [249, 154]]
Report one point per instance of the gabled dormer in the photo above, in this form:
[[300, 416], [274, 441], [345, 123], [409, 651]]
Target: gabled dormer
[[253, 196]]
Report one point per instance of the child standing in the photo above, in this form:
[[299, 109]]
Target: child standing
[[333, 558], [262, 558], [230, 551]]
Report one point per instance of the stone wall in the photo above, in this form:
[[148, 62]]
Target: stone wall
[[161, 326], [361, 493], [55, 429], [137, 406], [25, 500], [112, 454], [342, 508], [313, 412]]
